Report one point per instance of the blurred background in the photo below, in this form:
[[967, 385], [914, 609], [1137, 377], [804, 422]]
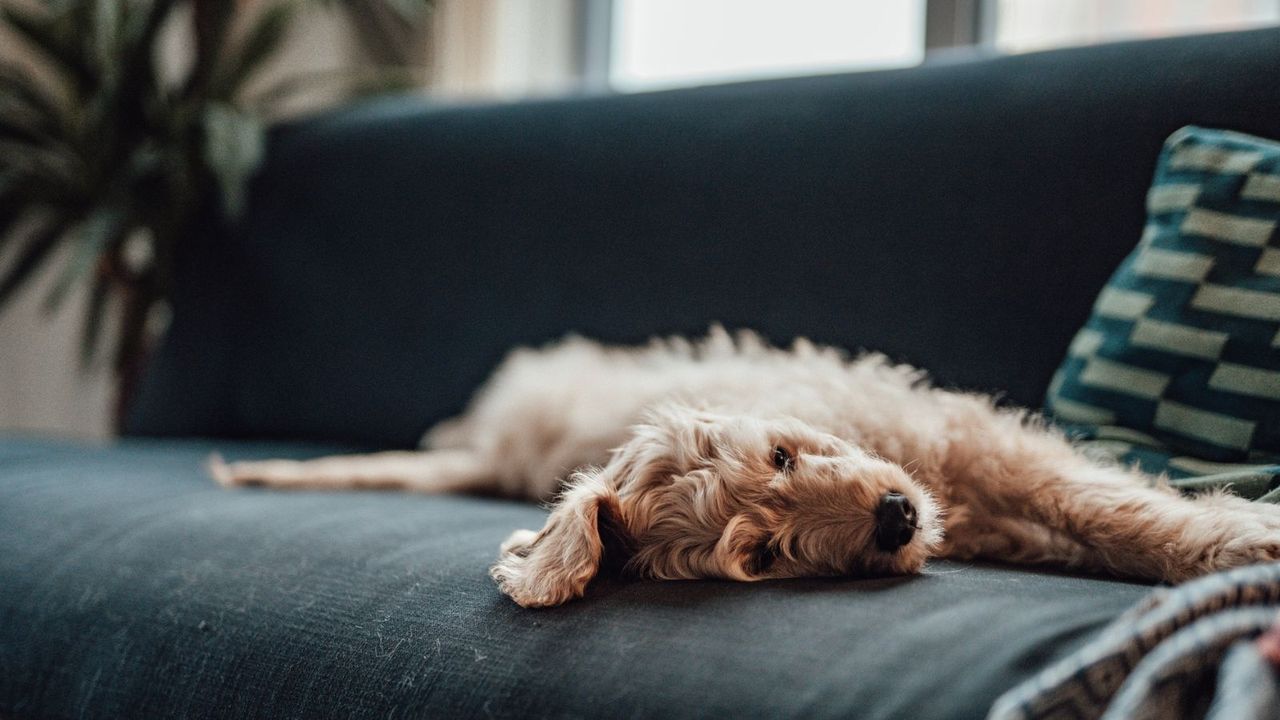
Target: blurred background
[[79, 314]]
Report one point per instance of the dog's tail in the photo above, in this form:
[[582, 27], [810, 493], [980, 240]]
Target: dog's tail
[[409, 471]]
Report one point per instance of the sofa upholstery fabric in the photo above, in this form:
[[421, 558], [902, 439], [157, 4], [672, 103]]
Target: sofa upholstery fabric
[[133, 587]]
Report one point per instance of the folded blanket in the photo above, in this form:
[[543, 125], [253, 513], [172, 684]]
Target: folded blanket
[[1248, 688], [1185, 652]]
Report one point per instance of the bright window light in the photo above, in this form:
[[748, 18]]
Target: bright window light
[[1023, 25], [668, 43]]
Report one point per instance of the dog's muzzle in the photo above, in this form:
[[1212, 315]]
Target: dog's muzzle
[[896, 522]]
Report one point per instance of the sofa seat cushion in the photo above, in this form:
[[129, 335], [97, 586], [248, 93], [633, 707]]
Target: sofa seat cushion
[[131, 586]]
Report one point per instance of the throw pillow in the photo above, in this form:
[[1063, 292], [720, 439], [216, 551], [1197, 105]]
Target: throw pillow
[[1183, 345]]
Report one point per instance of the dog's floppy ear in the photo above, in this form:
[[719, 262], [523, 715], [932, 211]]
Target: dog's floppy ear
[[554, 565]]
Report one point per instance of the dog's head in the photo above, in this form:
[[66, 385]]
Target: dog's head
[[695, 494]]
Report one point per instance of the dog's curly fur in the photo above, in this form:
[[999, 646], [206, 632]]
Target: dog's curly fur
[[730, 458]]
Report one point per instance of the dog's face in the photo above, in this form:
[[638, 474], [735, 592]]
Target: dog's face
[[696, 495]]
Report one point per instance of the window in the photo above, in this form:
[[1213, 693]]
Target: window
[[1023, 25], [649, 44], [664, 43]]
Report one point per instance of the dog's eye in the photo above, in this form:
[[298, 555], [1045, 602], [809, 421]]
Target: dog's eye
[[762, 558], [782, 458]]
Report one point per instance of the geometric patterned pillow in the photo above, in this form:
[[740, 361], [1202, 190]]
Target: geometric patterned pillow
[[1183, 344]]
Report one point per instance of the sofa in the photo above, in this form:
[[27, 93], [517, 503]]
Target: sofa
[[960, 216]]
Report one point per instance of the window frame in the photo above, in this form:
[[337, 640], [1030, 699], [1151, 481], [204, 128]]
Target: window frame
[[947, 24]]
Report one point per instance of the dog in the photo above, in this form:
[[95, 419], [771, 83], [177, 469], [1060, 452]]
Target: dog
[[731, 458]]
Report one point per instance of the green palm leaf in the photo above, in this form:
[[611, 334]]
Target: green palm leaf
[[12, 208], [36, 28], [101, 230], [233, 149], [261, 42], [19, 123], [49, 33], [137, 40], [95, 311], [49, 170], [212, 24], [17, 88], [39, 244], [105, 38]]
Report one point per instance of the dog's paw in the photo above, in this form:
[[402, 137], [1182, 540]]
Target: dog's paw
[[518, 543], [1265, 552], [242, 474], [520, 582], [1235, 553]]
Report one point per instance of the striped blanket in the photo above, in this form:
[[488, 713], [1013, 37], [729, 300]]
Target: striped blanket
[[1187, 652]]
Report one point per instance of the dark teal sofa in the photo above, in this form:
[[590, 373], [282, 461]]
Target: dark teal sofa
[[960, 216]]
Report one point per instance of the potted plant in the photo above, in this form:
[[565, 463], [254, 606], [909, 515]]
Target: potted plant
[[106, 161]]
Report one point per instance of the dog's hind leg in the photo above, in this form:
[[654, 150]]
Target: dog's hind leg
[[427, 472], [1124, 525], [1265, 512], [1000, 465]]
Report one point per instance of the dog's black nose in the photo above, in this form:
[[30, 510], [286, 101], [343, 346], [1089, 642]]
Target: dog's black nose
[[895, 522]]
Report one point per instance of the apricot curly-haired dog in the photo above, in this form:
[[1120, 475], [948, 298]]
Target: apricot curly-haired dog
[[729, 458]]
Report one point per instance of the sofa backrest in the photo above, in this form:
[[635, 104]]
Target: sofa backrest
[[960, 216]]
